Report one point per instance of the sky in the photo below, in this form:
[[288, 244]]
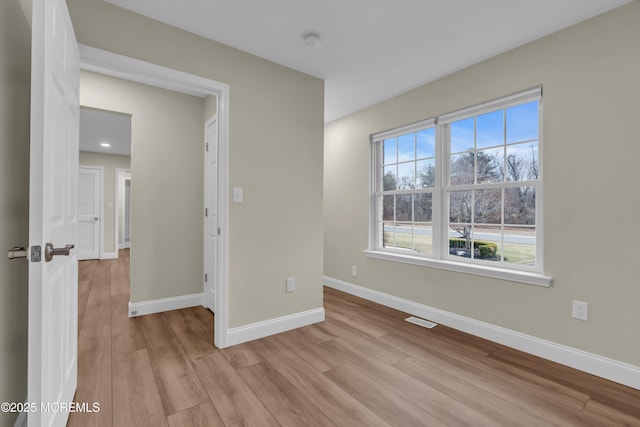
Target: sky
[[516, 126]]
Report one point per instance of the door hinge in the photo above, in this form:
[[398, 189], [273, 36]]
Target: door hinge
[[205, 277], [219, 232], [206, 212], [206, 147]]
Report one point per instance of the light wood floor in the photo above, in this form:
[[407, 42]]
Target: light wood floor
[[363, 366]]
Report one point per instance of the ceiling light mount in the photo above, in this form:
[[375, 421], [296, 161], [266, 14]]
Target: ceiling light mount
[[311, 39]]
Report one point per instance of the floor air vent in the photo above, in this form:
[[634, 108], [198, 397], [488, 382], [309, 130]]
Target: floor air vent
[[421, 322]]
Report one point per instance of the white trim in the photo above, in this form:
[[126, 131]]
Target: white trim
[[467, 268], [540, 191], [269, 327], [503, 102], [112, 64], [102, 254], [410, 128], [222, 299], [601, 366], [109, 255], [165, 304], [128, 68], [121, 174]]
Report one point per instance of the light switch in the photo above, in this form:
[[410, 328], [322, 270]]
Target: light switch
[[237, 195], [109, 205]]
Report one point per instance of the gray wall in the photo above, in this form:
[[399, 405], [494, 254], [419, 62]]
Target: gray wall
[[276, 139], [15, 82], [590, 74]]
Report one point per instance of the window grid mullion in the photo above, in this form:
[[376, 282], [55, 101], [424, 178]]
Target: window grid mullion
[[443, 155], [475, 150], [493, 185]]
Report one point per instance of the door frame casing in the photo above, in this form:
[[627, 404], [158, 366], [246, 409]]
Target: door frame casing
[[100, 169], [118, 224], [112, 64]]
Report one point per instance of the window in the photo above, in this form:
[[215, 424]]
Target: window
[[464, 187], [407, 169]]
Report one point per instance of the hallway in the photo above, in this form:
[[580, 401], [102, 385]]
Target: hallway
[[119, 358]]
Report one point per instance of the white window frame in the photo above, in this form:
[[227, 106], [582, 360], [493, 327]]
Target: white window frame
[[440, 257]]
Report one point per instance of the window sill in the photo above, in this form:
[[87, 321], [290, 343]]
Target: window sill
[[478, 270]]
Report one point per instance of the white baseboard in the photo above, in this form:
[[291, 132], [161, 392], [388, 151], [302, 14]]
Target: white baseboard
[[164, 304], [109, 255], [124, 245], [258, 330], [601, 366]]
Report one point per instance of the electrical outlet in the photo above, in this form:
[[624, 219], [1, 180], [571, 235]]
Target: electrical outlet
[[580, 310], [291, 284], [354, 271]]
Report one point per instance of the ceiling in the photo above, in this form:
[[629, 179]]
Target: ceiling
[[372, 50], [101, 126]]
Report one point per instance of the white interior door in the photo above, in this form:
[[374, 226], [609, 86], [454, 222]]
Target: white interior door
[[211, 212], [89, 213], [53, 312]]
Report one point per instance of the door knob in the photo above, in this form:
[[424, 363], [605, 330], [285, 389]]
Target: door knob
[[17, 252], [50, 251], [95, 218]]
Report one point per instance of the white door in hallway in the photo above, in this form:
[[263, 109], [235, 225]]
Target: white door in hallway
[[53, 273], [211, 213], [89, 216]]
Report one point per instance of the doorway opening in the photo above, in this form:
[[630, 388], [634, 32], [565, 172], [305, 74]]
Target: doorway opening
[[110, 64], [105, 146], [123, 208]]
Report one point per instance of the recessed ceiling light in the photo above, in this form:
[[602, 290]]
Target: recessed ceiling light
[[105, 144], [311, 39]]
